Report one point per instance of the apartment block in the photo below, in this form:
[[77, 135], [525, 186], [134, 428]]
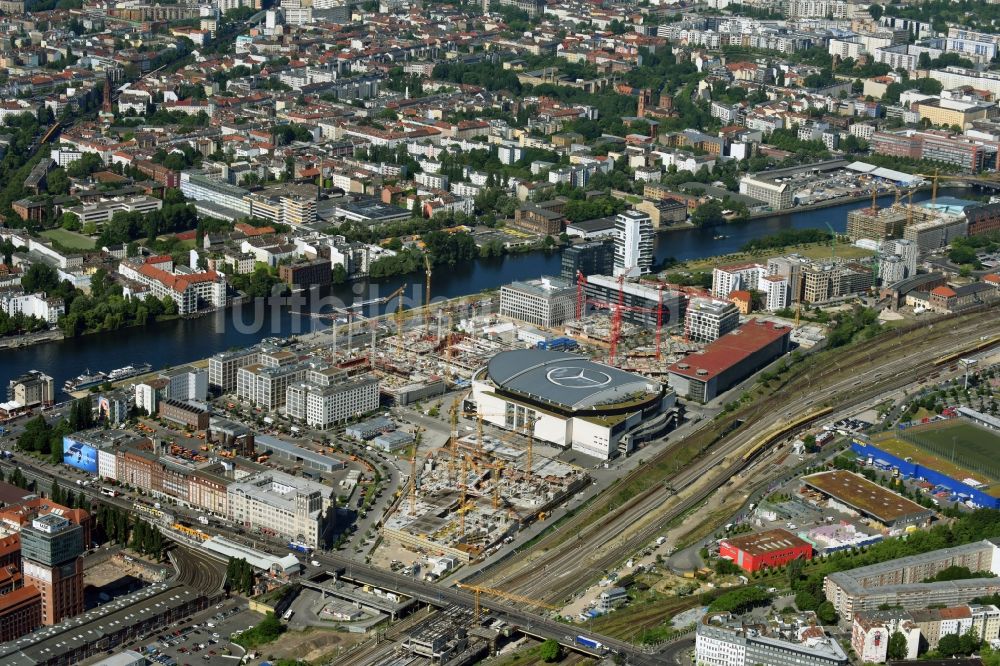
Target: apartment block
[[707, 320]]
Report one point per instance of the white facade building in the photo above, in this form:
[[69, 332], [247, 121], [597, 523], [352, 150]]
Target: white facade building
[[633, 243]]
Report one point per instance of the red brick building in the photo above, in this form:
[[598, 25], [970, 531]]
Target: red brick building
[[765, 550]]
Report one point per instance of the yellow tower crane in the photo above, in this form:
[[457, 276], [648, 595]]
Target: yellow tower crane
[[478, 590]]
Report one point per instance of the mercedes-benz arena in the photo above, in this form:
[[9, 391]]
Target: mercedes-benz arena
[[572, 401]]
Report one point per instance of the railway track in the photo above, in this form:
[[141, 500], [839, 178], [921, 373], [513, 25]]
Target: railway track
[[556, 567]]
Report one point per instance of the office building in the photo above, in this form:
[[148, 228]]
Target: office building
[[593, 258], [199, 186], [324, 400], [283, 505], [778, 196], [265, 383], [548, 301], [20, 607], [223, 367], [983, 219], [647, 303], [633, 243], [722, 641], [51, 550], [876, 224], [707, 320], [185, 383], [306, 273], [184, 413], [31, 389], [934, 234]]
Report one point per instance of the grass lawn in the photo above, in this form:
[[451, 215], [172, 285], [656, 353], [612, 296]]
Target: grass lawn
[[70, 239], [811, 251], [629, 621], [975, 450]]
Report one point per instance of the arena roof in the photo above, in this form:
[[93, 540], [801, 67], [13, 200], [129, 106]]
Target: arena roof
[[568, 380]]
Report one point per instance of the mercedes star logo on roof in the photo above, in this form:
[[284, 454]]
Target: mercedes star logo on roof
[[576, 377]]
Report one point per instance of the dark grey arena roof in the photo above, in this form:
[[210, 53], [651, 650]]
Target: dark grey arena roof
[[568, 380]]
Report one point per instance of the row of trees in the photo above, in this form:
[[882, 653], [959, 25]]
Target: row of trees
[[240, 576], [115, 522], [147, 539]]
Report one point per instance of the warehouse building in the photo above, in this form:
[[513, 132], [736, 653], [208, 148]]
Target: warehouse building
[[298, 455], [119, 622], [765, 550], [852, 493], [704, 375]]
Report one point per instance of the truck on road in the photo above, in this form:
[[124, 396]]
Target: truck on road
[[591, 643]]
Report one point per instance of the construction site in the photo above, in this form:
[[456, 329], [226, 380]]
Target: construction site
[[468, 498]]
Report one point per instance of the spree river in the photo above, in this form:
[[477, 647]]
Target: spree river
[[179, 341]]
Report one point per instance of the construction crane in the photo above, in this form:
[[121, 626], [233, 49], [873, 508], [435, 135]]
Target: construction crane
[[413, 471], [427, 294], [478, 589], [352, 310], [617, 309], [529, 426], [833, 242]]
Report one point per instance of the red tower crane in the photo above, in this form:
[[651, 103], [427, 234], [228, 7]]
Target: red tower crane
[[617, 308]]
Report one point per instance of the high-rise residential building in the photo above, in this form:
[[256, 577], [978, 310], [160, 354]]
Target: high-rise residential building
[[593, 258], [907, 251], [31, 389], [51, 550], [736, 277], [707, 320], [776, 292], [633, 243]]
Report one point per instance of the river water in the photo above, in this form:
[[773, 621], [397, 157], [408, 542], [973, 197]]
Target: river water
[[175, 342]]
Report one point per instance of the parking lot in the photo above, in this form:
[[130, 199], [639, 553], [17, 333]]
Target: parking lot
[[201, 639]]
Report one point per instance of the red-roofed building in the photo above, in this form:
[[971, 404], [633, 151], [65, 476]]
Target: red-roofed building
[[188, 290], [251, 231], [20, 612], [729, 360], [765, 550]]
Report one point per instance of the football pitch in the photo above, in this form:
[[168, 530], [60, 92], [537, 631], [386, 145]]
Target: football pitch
[[957, 449]]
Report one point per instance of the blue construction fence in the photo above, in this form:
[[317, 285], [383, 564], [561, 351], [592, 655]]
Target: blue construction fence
[[958, 489]]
